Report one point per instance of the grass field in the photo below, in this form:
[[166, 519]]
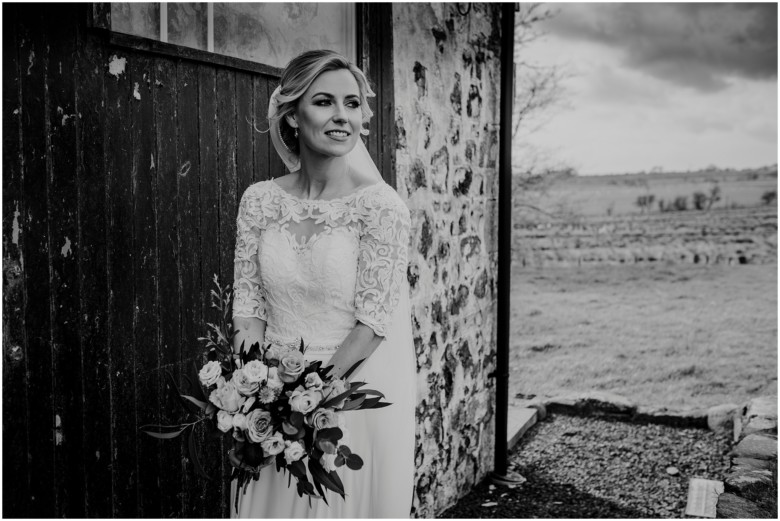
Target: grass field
[[675, 335]]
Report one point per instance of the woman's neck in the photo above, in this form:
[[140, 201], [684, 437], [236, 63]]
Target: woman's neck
[[323, 177]]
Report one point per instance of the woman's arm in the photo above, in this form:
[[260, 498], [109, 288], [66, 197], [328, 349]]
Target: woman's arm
[[248, 331], [360, 343]]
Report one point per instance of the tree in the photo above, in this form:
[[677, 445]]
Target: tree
[[538, 88], [769, 197], [699, 200], [680, 203], [714, 195]]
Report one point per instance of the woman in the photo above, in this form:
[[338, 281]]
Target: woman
[[321, 254]]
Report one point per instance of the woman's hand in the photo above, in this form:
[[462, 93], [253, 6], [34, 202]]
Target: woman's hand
[[248, 331], [359, 345]]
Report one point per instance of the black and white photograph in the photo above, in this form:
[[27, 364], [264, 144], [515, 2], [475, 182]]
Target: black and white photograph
[[389, 260]]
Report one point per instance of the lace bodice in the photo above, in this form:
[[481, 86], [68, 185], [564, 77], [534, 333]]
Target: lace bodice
[[312, 268]]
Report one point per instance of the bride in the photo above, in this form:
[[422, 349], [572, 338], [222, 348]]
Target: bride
[[321, 254]]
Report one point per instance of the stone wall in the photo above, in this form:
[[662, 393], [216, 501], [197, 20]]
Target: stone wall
[[447, 94]]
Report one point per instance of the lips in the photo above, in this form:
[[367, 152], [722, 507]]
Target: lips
[[337, 133]]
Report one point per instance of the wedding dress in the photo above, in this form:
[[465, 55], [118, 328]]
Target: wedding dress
[[311, 269]]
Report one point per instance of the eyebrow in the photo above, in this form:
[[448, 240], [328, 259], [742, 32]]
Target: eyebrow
[[332, 96]]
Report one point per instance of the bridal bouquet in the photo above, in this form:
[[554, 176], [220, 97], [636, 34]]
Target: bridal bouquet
[[276, 408]]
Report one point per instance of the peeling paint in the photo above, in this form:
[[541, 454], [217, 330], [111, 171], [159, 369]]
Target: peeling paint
[[185, 169], [116, 66], [31, 60], [97, 455], [15, 233], [152, 164], [136, 92], [65, 251], [17, 112], [57, 430]]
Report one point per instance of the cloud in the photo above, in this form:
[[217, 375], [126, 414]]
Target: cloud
[[701, 46]]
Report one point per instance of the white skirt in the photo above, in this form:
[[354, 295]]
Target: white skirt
[[383, 438]]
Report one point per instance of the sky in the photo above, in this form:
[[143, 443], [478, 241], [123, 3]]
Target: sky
[[667, 86]]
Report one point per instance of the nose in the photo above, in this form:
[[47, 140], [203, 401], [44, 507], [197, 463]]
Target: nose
[[340, 114]]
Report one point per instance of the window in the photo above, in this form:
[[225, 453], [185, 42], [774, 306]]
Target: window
[[267, 33]]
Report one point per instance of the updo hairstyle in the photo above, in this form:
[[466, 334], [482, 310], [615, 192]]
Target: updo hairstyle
[[298, 76]]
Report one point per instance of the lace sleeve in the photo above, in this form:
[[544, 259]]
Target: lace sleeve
[[382, 259], [248, 298]]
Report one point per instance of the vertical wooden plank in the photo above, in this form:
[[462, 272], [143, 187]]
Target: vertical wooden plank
[[145, 317], [213, 450], [244, 129], [226, 166], [60, 28], [168, 297], [276, 167], [121, 259], [260, 137], [16, 490], [34, 234], [188, 159], [90, 72]]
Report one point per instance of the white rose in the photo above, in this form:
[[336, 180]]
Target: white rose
[[258, 425], [293, 452], [313, 381], [274, 382], [304, 401], [243, 384], [226, 396], [255, 371], [335, 388], [291, 366], [328, 462], [224, 421], [273, 445], [210, 373], [239, 421]]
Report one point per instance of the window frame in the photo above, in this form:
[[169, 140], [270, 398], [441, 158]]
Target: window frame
[[100, 20]]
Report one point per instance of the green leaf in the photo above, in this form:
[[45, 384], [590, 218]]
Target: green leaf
[[354, 462], [332, 434], [164, 435], [200, 404], [326, 478], [296, 419], [352, 369], [210, 409], [354, 403]]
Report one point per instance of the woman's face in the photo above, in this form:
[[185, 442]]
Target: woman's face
[[328, 115]]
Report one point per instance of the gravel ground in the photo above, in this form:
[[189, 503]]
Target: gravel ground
[[584, 468]]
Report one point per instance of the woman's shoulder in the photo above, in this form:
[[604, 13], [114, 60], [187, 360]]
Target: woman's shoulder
[[379, 201]]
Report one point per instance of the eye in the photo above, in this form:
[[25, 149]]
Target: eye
[[353, 104], [322, 102]]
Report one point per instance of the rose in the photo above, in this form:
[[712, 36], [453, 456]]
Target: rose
[[224, 421], [258, 425], [226, 396], [210, 373], [335, 388], [328, 462], [274, 354], [293, 452], [239, 421], [243, 384], [313, 381], [324, 419], [291, 366], [304, 401], [255, 371], [273, 445], [247, 404], [274, 382]]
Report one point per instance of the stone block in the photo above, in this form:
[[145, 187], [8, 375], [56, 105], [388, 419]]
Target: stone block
[[753, 463], [756, 446], [663, 416], [760, 424], [593, 402], [762, 407], [720, 418], [731, 506], [750, 484]]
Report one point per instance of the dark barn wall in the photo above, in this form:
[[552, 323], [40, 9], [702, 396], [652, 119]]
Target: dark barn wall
[[122, 170]]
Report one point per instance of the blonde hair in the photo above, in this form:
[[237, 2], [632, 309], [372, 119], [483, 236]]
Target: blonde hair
[[298, 76]]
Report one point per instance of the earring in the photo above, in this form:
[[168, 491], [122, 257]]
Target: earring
[[296, 133]]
